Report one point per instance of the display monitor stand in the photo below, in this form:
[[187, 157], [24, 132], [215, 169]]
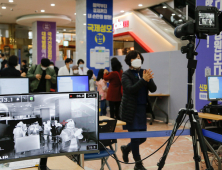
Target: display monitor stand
[[43, 164]]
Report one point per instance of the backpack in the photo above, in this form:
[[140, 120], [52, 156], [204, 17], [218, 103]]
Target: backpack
[[121, 89]]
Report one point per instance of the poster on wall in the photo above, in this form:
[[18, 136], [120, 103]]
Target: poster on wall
[[99, 30], [209, 61], [46, 41]]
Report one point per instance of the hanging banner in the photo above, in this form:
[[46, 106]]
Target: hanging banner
[[208, 60], [46, 41], [99, 30]]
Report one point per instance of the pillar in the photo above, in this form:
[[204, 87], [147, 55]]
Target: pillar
[[44, 41]]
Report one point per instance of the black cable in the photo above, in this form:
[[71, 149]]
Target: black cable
[[148, 155], [197, 45]]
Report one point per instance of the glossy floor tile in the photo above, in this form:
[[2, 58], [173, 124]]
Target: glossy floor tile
[[179, 158]]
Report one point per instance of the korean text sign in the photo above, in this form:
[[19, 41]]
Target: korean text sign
[[46, 41], [209, 61], [99, 30]]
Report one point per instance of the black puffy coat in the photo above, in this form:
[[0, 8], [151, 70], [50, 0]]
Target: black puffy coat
[[131, 86]]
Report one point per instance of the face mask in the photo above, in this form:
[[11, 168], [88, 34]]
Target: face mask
[[76, 71], [52, 67], [1, 60], [81, 65], [71, 65], [136, 63], [43, 68]]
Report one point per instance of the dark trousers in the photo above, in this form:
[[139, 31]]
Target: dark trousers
[[114, 109], [103, 107], [135, 143]]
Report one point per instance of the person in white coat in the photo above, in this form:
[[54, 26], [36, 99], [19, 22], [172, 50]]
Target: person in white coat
[[82, 70], [67, 69]]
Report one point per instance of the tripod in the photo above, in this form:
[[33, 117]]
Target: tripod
[[193, 115]]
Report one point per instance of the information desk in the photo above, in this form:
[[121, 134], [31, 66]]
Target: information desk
[[59, 162], [118, 123], [211, 117], [154, 105]]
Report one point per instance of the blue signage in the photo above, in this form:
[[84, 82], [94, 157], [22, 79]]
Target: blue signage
[[209, 60], [99, 28]]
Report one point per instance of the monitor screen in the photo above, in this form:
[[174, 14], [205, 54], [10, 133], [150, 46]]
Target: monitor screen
[[14, 85], [214, 88], [72, 83], [48, 124], [207, 19]]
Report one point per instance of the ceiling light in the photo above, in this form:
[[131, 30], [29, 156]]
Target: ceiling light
[[10, 1], [179, 15], [74, 13], [42, 10], [180, 20], [122, 11], [3, 7], [173, 14], [64, 29], [84, 24], [164, 6], [52, 4], [140, 5], [84, 14]]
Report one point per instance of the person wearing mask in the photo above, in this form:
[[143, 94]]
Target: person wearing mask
[[137, 83], [11, 71], [3, 61], [41, 76], [82, 69], [102, 89], [92, 84], [67, 69], [52, 66], [114, 92], [24, 68], [75, 70]]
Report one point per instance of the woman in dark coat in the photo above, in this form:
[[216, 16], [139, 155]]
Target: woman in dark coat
[[136, 84]]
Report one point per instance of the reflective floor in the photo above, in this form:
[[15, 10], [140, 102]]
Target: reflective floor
[[180, 156]]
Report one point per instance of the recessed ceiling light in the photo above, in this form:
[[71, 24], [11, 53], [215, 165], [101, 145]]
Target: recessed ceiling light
[[164, 6], [42, 10], [84, 14], [74, 13], [52, 4], [140, 5], [180, 20], [84, 24], [10, 1], [122, 11], [179, 15], [4, 7], [64, 29], [173, 14]]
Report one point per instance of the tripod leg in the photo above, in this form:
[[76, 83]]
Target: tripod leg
[[176, 126], [201, 140], [196, 157]]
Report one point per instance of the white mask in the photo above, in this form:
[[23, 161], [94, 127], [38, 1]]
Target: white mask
[[81, 65], [52, 67], [43, 68], [136, 63], [76, 71]]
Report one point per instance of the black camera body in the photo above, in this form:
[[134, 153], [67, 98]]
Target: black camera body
[[206, 23]]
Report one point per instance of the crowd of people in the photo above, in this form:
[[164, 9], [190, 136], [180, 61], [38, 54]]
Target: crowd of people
[[127, 93]]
